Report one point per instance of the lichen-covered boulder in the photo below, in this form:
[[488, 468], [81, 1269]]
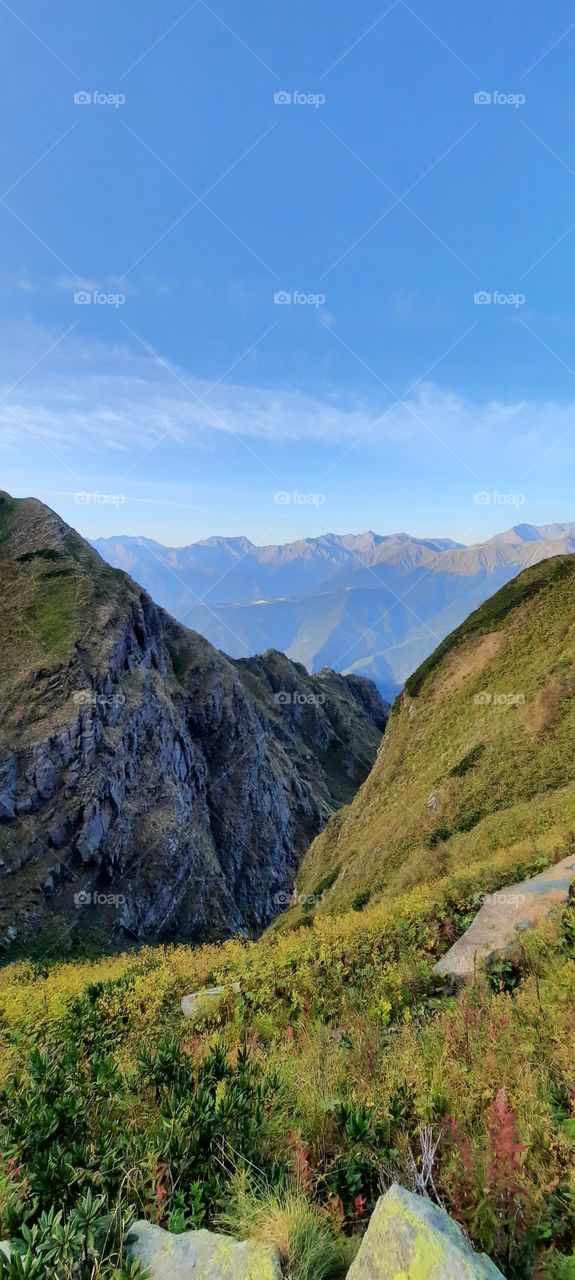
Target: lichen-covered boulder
[[201, 1255], [205, 1000], [410, 1238]]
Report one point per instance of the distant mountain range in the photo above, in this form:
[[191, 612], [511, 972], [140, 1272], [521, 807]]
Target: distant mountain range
[[366, 603]]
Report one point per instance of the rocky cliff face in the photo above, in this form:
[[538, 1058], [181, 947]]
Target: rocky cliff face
[[150, 786]]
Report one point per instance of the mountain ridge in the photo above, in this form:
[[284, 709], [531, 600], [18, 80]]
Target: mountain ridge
[[139, 764], [419, 590]]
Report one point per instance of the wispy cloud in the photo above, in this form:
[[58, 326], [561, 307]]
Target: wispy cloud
[[110, 399], [71, 284]]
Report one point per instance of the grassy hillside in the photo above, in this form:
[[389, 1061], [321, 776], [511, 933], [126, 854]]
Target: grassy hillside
[[53, 592], [283, 1109], [477, 769]]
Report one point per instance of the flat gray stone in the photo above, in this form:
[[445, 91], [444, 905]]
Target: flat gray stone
[[410, 1238], [200, 1000], [503, 914], [201, 1255]]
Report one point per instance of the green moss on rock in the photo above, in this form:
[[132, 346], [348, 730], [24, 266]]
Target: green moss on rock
[[201, 1254], [410, 1238]]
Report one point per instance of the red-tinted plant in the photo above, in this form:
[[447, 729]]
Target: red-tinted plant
[[489, 1195], [336, 1212], [299, 1159], [359, 1205], [462, 1187], [504, 1183], [161, 1176]]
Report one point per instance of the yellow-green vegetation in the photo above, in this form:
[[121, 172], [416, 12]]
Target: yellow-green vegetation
[[477, 768], [314, 1083], [310, 1242], [283, 1109]]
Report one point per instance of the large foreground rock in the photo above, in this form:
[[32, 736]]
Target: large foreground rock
[[410, 1238], [517, 907], [201, 1255]]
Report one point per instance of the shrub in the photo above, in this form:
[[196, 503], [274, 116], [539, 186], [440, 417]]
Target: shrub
[[361, 899], [468, 761], [306, 1235], [86, 1243]]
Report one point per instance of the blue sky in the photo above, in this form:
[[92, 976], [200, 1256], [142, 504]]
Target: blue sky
[[182, 399]]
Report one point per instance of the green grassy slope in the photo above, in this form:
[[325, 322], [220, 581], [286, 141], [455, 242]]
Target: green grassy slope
[[54, 590], [477, 766]]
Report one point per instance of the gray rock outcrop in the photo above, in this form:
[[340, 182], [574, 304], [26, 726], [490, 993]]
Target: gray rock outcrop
[[201, 1255], [503, 916], [410, 1238]]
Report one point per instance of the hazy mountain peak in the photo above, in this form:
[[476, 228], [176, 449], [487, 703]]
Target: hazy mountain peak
[[519, 533], [238, 543]]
